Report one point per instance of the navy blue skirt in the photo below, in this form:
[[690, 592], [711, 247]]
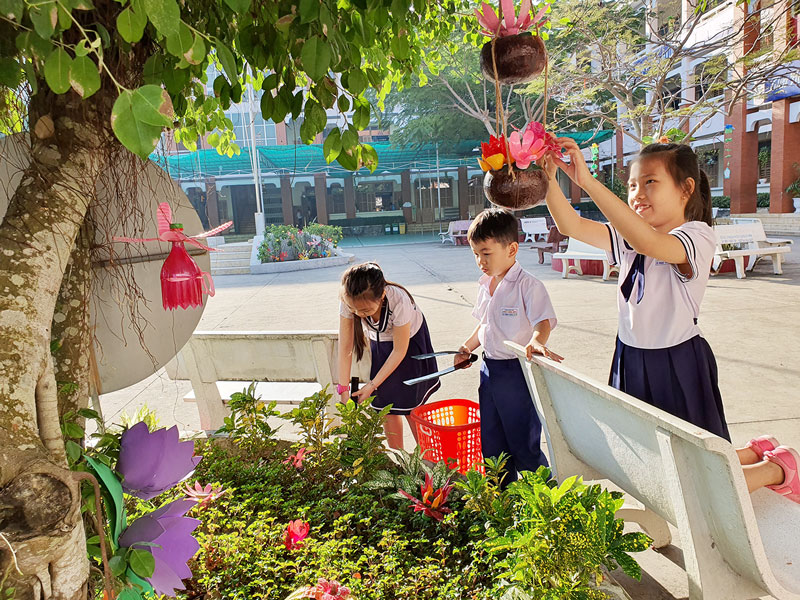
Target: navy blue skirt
[[404, 398], [681, 380]]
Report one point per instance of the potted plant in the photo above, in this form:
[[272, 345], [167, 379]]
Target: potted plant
[[513, 180], [763, 161], [794, 188], [514, 54]]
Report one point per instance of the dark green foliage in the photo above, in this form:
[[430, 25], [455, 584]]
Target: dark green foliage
[[248, 424]]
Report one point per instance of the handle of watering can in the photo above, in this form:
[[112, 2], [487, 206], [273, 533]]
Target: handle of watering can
[[207, 283]]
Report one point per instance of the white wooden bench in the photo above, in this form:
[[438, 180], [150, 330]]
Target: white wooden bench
[[456, 230], [532, 227], [747, 239], [759, 235], [736, 545], [289, 366], [578, 251]]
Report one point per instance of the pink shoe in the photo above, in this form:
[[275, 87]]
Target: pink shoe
[[787, 459], [762, 444]]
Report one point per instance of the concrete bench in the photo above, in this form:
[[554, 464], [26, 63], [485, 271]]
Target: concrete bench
[[532, 227], [288, 366], [736, 545], [456, 231], [578, 251], [747, 239]]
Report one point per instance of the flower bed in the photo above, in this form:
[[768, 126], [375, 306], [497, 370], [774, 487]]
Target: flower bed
[[284, 243], [335, 514]]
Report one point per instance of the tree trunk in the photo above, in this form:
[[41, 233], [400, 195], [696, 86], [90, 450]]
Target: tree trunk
[[40, 498]]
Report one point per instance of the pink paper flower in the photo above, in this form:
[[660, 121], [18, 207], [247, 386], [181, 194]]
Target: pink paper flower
[[531, 144], [296, 532], [296, 460], [326, 589], [203, 495], [511, 24]]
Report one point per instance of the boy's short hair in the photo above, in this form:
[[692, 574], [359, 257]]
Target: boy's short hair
[[494, 224]]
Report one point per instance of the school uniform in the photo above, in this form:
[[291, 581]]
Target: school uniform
[[661, 356], [397, 309], [509, 421]]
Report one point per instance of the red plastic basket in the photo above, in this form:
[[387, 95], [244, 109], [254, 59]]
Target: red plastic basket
[[450, 429]]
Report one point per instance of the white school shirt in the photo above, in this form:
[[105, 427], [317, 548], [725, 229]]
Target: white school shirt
[[401, 311], [669, 307], [518, 304]]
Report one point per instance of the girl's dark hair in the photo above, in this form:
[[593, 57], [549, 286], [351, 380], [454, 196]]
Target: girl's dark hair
[[681, 163], [494, 224], [365, 281]]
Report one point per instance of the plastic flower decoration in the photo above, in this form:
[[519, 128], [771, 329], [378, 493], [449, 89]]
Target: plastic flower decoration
[[493, 154], [296, 532], [296, 460], [432, 503], [531, 144], [203, 495], [510, 24], [151, 463], [166, 534], [326, 589]]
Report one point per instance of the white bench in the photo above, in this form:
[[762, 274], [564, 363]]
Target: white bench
[[532, 227], [747, 239], [759, 235], [289, 366], [736, 545], [455, 231], [578, 251]]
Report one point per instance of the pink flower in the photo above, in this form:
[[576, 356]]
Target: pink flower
[[326, 589], [432, 503], [511, 24], [203, 495], [296, 460], [296, 532], [530, 145]]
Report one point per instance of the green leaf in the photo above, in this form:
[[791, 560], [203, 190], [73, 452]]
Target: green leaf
[[238, 6], [137, 581], [64, 19], [129, 594], [316, 58], [333, 145], [400, 47], [117, 565], [181, 42], [130, 25], [56, 71], [44, 17], [83, 76], [282, 104], [153, 70], [153, 106], [296, 103], [12, 9], [356, 81], [309, 11], [349, 159], [361, 115], [10, 72], [142, 562], [343, 103], [82, 4], [197, 53], [73, 450], [74, 430], [267, 105], [225, 57], [165, 15], [113, 490], [213, 140], [138, 137], [88, 413], [369, 157], [349, 139]]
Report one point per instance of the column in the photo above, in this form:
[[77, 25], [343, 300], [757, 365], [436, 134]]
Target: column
[[280, 134], [212, 207], [321, 195], [574, 192], [619, 169], [463, 193], [349, 197], [286, 200]]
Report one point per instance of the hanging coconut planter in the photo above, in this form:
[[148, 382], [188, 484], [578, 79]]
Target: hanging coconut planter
[[517, 190], [517, 58], [514, 55]]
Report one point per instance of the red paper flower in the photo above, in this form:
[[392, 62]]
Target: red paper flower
[[296, 532], [494, 154]]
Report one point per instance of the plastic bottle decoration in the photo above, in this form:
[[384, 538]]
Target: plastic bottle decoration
[[183, 283], [519, 56], [594, 166]]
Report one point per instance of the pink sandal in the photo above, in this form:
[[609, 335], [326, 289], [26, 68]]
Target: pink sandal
[[789, 460], [759, 445]]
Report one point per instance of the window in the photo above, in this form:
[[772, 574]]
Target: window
[[710, 78], [430, 191], [374, 196], [336, 198], [671, 94]]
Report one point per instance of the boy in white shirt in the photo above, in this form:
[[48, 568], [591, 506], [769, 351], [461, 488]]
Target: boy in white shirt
[[512, 305]]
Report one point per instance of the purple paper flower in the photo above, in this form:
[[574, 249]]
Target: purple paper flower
[[173, 545], [151, 463]]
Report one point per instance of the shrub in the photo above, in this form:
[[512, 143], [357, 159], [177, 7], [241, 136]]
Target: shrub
[[286, 242], [329, 233]]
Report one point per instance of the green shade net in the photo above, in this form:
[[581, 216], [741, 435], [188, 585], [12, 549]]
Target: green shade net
[[294, 160]]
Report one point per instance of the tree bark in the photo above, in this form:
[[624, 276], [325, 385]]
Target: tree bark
[[39, 497]]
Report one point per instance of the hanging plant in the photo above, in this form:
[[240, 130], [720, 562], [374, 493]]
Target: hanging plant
[[513, 180], [514, 55]]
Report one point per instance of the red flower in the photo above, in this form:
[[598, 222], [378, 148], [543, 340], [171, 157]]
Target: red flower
[[432, 503], [296, 460], [296, 532], [326, 589]]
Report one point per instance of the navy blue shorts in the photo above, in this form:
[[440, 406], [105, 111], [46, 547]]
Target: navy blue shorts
[[681, 380], [509, 421]]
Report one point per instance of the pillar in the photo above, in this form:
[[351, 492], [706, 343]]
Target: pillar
[[212, 206], [321, 195], [574, 192], [286, 200], [349, 197], [785, 144], [619, 171], [280, 134], [463, 193]]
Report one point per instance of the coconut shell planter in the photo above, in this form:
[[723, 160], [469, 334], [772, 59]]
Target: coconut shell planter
[[520, 58], [524, 190]]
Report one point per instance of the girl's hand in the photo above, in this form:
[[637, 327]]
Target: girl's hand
[[577, 170], [549, 166], [541, 350], [365, 392]]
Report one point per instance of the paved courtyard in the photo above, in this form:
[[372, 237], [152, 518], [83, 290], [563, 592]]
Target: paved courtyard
[[753, 326]]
